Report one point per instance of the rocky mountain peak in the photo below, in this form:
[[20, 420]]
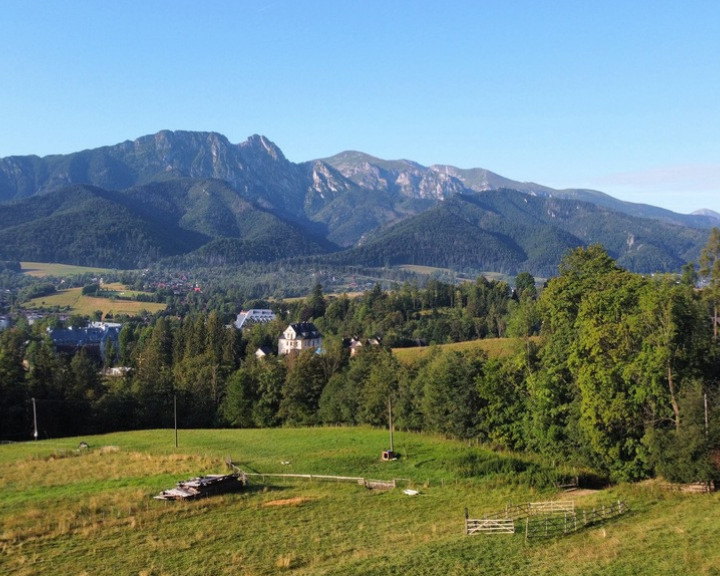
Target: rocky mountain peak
[[257, 145]]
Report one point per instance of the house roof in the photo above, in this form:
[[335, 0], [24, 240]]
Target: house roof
[[305, 330], [254, 316]]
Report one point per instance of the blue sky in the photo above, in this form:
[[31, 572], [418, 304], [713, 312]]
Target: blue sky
[[619, 96]]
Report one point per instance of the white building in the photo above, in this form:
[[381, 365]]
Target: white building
[[298, 337], [253, 316]]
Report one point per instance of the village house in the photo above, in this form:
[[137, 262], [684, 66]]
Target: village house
[[298, 337], [263, 352], [94, 338], [355, 345], [253, 316]]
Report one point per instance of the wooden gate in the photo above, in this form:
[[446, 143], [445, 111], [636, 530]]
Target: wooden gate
[[488, 525]]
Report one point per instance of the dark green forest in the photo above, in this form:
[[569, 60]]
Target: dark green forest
[[612, 370]]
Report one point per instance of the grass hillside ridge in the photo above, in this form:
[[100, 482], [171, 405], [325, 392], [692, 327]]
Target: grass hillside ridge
[[91, 511]]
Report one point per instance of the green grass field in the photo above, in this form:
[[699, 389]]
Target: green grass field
[[430, 270], [69, 512], [74, 301], [493, 347], [42, 269]]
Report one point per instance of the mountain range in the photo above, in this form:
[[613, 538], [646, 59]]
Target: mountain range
[[198, 199]]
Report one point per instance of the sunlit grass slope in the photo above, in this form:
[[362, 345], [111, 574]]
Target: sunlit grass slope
[[66, 511], [493, 347], [74, 301], [42, 269]]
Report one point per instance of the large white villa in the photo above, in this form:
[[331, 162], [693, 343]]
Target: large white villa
[[298, 337]]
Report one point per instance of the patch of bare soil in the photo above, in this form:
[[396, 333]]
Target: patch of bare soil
[[581, 492], [286, 502]]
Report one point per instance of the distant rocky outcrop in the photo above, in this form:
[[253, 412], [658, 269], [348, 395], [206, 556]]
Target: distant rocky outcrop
[[174, 194]]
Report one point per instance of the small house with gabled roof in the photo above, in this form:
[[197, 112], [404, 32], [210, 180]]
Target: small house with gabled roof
[[298, 337], [263, 352]]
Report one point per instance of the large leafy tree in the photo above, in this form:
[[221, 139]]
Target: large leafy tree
[[237, 407], [606, 342], [304, 384], [674, 344], [153, 383], [710, 272], [270, 376], [14, 422], [554, 400], [450, 400], [502, 395]]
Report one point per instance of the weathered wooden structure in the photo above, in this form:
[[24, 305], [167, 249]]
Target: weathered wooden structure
[[205, 486]]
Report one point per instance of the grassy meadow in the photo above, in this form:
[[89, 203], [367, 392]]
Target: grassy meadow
[[74, 301], [432, 270], [66, 511], [43, 269], [493, 347]]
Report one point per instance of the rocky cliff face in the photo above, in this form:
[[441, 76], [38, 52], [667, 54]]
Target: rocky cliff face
[[329, 192], [198, 195]]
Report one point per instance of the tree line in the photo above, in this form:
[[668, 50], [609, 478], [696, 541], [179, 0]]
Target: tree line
[[623, 377]]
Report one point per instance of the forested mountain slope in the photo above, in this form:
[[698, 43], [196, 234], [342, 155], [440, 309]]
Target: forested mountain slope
[[199, 199]]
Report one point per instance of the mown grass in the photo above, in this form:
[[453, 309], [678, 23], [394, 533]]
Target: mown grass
[[430, 270], [493, 347], [74, 301], [42, 269], [91, 512]]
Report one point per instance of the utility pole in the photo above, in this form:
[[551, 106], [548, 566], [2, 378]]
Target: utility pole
[[707, 427], [35, 432], [390, 424], [390, 454], [175, 412]]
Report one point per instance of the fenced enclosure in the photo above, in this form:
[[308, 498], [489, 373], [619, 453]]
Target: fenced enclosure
[[553, 526], [537, 508], [542, 519]]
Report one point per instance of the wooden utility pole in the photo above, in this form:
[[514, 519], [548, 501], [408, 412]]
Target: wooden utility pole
[[390, 425], [175, 412], [35, 432]]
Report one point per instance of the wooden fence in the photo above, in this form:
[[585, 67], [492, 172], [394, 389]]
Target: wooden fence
[[370, 484], [693, 488], [542, 519], [489, 526], [520, 511], [560, 525], [315, 477]]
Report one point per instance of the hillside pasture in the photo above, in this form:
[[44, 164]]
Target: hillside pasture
[[433, 271], [71, 511], [75, 302], [44, 269], [493, 347]]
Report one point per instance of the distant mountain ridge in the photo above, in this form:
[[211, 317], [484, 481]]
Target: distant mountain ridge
[[181, 193]]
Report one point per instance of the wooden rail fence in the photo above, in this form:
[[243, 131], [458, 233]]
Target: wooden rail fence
[[693, 488], [553, 526], [370, 484], [542, 519]]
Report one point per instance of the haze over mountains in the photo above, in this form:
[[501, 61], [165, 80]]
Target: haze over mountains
[[201, 200]]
